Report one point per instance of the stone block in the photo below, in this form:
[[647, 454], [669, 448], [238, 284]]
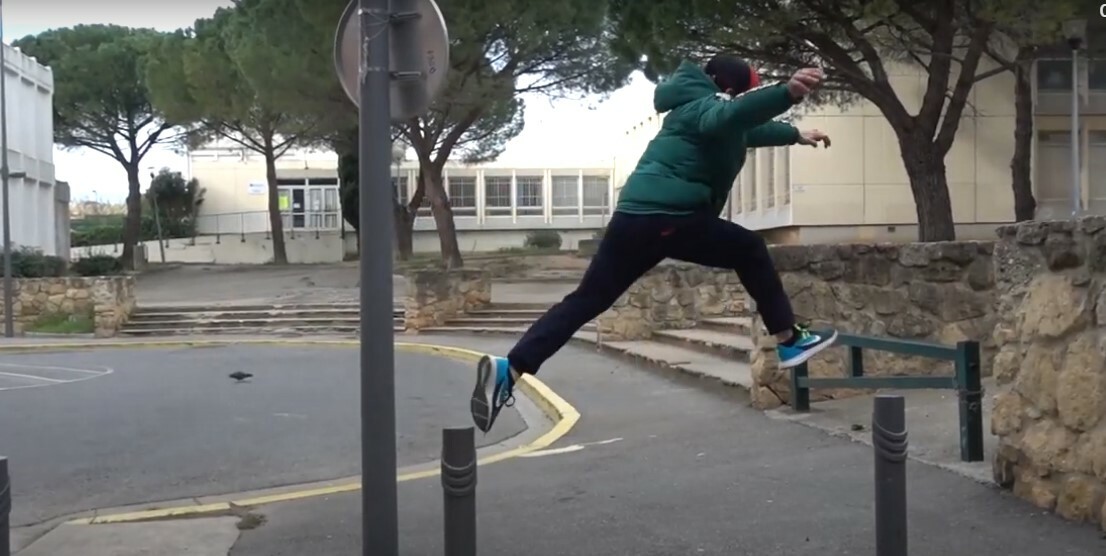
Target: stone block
[[109, 300], [436, 295]]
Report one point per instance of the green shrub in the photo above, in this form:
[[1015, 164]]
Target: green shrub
[[543, 239], [98, 265], [31, 263]]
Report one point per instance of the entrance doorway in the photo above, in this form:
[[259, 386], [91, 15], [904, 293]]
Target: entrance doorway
[[309, 203]]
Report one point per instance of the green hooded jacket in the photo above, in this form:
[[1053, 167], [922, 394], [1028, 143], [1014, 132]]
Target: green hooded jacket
[[691, 164]]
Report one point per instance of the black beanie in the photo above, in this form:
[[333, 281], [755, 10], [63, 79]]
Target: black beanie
[[731, 72]]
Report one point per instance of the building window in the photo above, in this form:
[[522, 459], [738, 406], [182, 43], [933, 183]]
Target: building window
[[1054, 75], [462, 195], [497, 195], [1096, 75], [529, 195], [770, 174], [399, 186], [596, 198], [785, 169], [566, 195], [751, 169], [735, 196]]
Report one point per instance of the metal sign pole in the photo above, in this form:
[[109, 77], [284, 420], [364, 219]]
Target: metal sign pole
[[9, 287], [380, 524], [369, 31]]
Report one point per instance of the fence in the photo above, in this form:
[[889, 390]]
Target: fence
[[966, 380]]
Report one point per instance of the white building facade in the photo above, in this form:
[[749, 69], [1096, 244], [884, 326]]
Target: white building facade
[[36, 202]]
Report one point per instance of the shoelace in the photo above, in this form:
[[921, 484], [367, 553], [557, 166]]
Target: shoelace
[[508, 396]]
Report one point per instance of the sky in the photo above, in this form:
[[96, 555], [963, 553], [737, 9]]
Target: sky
[[569, 131]]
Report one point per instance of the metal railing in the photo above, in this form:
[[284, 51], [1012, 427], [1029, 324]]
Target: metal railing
[[241, 224], [966, 380]]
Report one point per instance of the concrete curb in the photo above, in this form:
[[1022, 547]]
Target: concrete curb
[[588, 339], [563, 415]]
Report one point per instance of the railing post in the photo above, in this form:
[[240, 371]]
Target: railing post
[[856, 361], [218, 231], [5, 508], [970, 397], [800, 395], [242, 225], [889, 445], [459, 488]]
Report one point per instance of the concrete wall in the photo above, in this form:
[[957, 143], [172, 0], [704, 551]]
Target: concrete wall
[[30, 121]]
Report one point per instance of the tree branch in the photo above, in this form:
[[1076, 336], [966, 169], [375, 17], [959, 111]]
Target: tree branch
[[963, 88]]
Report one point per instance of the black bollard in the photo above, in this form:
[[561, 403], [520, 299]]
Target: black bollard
[[889, 443], [5, 509], [459, 487]]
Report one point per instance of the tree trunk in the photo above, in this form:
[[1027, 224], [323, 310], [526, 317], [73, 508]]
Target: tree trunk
[[132, 228], [404, 232], [443, 215], [925, 167], [276, 223], [1021, 167]]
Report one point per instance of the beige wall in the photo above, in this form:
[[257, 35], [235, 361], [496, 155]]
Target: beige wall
[[861, 179]]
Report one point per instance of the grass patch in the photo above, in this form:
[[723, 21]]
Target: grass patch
[[59, 323]]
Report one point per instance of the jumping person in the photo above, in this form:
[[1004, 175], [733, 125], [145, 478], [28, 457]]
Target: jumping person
[[670, 207]]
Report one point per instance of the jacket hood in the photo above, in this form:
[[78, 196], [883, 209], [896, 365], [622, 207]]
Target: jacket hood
[[689, 82]]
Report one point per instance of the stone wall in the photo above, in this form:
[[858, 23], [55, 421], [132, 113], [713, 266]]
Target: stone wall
[[672, 295], [109, 300], [940, 292], [1050, 408], [435, 296]]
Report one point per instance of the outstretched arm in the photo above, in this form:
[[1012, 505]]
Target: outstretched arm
[[757, 107], [772, 134]]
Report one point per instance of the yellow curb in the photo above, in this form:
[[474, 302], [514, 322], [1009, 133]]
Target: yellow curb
[[563, 415]]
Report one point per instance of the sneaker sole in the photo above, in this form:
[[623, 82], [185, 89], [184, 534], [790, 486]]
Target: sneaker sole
[[806, 355], [479, 406]]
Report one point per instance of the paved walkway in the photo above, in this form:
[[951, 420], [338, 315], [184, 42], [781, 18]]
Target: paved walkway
[[658, 465]]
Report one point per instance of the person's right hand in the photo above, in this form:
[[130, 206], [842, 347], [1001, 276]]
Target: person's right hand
[[804, 82]]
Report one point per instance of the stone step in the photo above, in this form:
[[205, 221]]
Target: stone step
[[727, 345], [237, 323], [742, 326], [513, 306], [685, 360], [245, 307], [490, 321], [507, 313], [588, 329], [339, 314], [261, 331]]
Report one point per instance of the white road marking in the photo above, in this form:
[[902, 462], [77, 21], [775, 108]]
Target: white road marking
[[569, 449], [44, 381], [49, 368], [32, 377]]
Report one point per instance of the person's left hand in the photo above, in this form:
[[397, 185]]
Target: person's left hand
[[813, 137]]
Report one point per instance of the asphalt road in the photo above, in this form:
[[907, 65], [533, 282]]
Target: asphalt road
[[168, 424], [695, 472]]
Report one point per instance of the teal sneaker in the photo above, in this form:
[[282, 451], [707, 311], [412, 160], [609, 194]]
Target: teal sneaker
[[805, 344], [489, 397]]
